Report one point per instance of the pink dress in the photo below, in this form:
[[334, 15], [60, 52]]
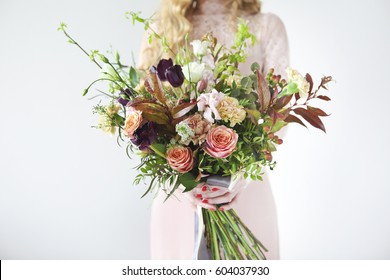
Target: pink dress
[[172, 222]]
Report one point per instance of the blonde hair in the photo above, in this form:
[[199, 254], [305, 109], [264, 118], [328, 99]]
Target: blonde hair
[[173, 20]]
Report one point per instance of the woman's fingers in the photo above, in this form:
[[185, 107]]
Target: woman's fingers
[[226, 198], [228, 206], [204, 203], [210, 194]]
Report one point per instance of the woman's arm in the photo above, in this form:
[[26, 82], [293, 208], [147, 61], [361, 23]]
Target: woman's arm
[[275, 45]]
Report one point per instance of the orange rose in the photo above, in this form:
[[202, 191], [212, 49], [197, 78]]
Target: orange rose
[[133, 121], [180, 158], [221, 142]]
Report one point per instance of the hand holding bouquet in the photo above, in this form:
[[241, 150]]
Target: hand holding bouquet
[[194, 115]]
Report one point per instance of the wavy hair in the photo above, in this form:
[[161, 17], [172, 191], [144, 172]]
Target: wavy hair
[[173, 20]]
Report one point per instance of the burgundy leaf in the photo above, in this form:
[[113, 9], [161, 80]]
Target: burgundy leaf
[[311, 118], [323, 97], [183, 109], [263, 92], [283, 101], [297, 96], [317, 111], [277, 116], [151, 110], [292, 118], [310, 81], [154, 87], [275, 93]]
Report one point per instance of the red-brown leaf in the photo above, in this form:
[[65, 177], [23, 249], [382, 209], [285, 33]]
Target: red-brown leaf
[[283, 101], [297, 96], [310, 81], [151, 110], [275, 93], [324, 97], [292, 118], [263, 92], [311, 118], [153, 85], [317, 111], [182, 109]]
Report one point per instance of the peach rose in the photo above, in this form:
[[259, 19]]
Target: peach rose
[[133, 121], [199, 128], [180, 158], [221, 142]]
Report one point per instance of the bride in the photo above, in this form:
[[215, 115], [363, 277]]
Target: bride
[[172, 222]]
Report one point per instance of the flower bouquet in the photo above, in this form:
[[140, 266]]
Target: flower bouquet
[[195, 116]]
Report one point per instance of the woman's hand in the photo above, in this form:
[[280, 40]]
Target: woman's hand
[[209, 197]]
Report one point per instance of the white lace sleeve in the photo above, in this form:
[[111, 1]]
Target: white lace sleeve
[[275, 45]]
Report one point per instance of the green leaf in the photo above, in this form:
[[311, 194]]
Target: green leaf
[[161, 148], [278, 125], [188, 181], [255, 66], [133, 77]]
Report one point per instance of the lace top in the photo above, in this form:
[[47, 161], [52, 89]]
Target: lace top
[[271, 48]]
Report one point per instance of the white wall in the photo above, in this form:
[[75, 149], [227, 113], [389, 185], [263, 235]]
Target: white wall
[[66, 189]]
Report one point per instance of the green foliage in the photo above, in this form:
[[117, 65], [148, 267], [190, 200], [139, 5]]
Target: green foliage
[[266, 101], [188, 181], [133, 76]]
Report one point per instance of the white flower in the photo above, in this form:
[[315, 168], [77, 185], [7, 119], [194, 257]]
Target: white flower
[[295, 77], [234, 78], [106, 122], [207, 82], [200, 47], [208, 102], [185, 131], [193, 71]]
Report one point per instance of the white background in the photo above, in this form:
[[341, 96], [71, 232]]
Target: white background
[[66, 189]]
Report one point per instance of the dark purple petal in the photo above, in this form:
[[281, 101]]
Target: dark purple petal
[[125, 96], [128, 92], [175, 75], [144, 136], [162, 67], [123, 101]]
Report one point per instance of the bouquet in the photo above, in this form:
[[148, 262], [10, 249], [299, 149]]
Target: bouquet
[[196, 116]]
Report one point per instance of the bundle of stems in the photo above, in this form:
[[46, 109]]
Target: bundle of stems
[[228, 238]]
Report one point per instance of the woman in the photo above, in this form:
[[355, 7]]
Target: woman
[[172, 222]]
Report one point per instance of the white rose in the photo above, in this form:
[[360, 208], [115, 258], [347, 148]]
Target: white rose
[[200, 47], [295, 77], [193, 71]]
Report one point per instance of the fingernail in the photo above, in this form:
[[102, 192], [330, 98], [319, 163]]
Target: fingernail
[[212, 209], [205, 201], [214, 189], [221, 209], [204, 188], [198, 196]]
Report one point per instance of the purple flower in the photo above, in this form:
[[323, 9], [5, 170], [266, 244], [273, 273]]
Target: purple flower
[[162, 67], [124, 96], [144, 136], [173, 73]]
